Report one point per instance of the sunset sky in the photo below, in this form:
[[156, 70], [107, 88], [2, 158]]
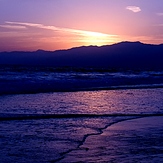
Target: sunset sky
[[61, 24]]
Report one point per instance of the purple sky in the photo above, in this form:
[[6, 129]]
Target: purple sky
[[61, 24]]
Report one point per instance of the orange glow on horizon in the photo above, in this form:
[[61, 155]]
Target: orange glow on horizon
[[64, 24], [98, 39]]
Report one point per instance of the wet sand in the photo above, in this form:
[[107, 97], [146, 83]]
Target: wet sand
[[131, 141]]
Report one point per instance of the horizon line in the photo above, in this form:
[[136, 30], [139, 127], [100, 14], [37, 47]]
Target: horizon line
[[81, 46]]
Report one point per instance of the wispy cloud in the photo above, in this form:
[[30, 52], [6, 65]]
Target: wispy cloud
[[160, 14], [40, 36], [160, 25], [133, 8], [69, 30], [13, 27]]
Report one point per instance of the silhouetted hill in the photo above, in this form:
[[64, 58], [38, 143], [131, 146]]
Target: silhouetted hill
[[124, 55]]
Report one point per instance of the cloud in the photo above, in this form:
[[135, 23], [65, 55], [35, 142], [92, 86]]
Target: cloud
[[13, 27], [160, 14], [58, 29], [53, 37], [133, 8], [160, 25]]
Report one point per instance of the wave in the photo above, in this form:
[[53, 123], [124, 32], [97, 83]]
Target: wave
[[41, 89], [8, 117], [30, 81], [33, 87]]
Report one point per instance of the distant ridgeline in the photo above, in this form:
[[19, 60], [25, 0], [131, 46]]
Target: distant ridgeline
[[120, 56]]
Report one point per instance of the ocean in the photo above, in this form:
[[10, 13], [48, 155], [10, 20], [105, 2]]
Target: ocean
[[60, 115]]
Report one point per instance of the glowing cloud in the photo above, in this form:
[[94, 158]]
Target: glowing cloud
[[160, 25], [133, 8], [88, 37], [13, 27], [160, 14], [72, 31]]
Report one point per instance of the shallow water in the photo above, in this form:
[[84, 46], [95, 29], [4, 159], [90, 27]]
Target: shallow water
[[56, 139], [33, 128], [46, 140], [128, 101], [130, 141]]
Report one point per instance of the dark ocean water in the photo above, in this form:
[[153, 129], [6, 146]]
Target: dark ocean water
[[19, 80], [50, 115]]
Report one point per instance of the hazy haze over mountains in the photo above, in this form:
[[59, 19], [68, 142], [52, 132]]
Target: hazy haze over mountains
[[124, 55]]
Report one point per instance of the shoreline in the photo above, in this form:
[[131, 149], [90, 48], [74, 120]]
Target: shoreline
[[135, 140]]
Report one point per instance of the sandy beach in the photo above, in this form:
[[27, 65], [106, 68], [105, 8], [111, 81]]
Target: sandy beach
[[131, 141]]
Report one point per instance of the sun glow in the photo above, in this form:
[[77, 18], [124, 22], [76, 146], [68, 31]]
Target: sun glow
[[48, 37], [96, 38]]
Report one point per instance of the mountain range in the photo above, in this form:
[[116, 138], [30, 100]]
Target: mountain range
[[123, 55]]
